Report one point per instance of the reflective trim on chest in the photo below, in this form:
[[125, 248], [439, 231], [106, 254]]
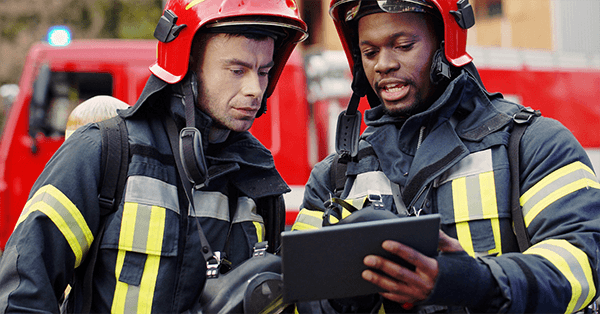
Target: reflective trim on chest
[[472, 199], [148, 236]]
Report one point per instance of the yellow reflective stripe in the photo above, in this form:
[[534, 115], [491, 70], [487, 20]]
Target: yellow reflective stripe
[[302, 226], [556, 185], [150, 275], [193, 3], [145, 224], [65, 216], [125, 243], [259, 231], [308, 219], [489, 206], [574, 265], [474, 198], [461, 213]]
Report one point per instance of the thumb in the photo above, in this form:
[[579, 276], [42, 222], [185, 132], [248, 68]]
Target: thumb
[[448, 244]]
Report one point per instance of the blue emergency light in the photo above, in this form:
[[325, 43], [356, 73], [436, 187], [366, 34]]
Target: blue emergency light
[[59, 36]]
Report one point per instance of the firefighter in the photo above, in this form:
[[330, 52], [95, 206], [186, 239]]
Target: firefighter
[[217, 63], [436, 143]]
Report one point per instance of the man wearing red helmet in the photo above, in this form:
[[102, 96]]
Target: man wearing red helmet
[[437, 143], [198, 187]]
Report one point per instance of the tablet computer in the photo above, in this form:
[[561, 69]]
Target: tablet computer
[[327, 263]]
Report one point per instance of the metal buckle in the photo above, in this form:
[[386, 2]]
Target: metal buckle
[[213, 265], [260, 249], [375, 199]]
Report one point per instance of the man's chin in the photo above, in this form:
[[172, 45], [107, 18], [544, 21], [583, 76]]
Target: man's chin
[[398, 110]]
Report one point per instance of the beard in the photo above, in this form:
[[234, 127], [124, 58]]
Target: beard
[[417, 106]]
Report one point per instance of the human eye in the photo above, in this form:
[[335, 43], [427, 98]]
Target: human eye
[[368, 53], [264, 72], [405, 46], [237, 70]]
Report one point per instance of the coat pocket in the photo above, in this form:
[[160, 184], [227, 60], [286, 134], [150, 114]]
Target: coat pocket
[[142, 230]]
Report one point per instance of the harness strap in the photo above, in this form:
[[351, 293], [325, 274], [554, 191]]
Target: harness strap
[[521, 120]]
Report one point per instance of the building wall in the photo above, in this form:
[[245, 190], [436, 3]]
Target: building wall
[[526, 24]]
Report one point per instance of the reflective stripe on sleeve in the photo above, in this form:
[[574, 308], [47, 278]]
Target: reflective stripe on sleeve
[[65, 216], [474, 198], [556, 185], [142, 230], [308, 219], [574, 265]]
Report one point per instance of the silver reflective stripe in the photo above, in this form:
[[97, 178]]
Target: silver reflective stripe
[[574, 265], [150, 191], [562, 179], [211, 205], [368, 182], [474, 163], [246, 211], [575, 269], [216, 205], [142, 228]]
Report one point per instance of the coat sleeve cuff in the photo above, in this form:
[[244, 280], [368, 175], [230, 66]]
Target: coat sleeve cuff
[[463, 281]]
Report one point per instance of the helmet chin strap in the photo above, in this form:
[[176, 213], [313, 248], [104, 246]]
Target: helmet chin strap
[[263, 107], [191, 148]]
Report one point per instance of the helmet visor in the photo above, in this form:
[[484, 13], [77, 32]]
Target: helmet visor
[[366, 7]]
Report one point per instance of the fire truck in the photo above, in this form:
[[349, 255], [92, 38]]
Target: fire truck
[[299, 127]]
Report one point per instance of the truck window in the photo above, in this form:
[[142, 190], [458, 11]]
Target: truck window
[[69, 89]]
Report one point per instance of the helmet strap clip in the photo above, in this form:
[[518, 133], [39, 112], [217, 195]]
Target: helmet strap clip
[[465, 18], [166, 30]]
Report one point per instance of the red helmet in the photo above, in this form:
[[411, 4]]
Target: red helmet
[[181, 20], [457, 16]]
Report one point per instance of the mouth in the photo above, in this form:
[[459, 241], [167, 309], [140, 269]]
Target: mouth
[[247, 111], [393, 91]]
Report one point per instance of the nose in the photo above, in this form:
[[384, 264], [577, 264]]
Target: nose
[[253, 85], [386, 62]]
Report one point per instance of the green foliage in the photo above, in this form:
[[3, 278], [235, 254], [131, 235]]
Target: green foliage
[[11, 26], [129, 19], [138, 22]]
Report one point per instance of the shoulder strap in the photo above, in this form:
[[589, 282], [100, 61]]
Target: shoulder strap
[[115, 157], [521, 120], [338, 174], [115, 162]]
